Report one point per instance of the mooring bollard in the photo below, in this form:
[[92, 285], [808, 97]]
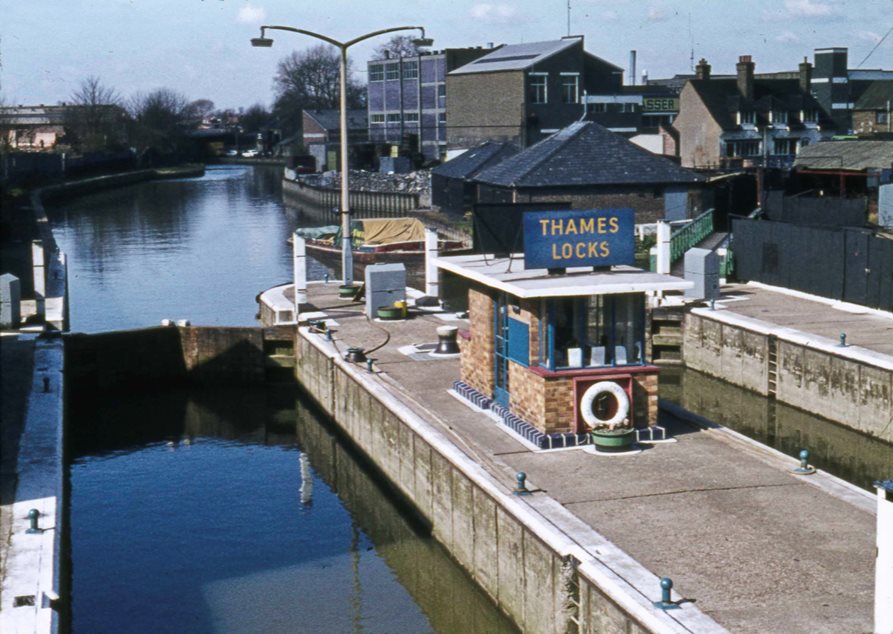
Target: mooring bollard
[[665, 603], [521, 484], [842, 343], [804, 468], [325, 278], [328, 334], [33, 514], [712, 304], [369, 363]]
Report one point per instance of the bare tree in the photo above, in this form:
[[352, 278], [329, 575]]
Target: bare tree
[[397, 46], [94, 119], [161, 119], [255, 118], [199, 110], [310, 79]]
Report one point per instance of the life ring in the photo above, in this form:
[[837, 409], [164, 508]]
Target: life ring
[[593, 392]]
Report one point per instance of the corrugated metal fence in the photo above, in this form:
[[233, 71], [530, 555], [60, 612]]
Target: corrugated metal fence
[[848, 264], [362, 204]]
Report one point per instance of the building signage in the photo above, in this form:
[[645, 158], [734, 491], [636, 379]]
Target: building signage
[[591, 237], [660, 104]]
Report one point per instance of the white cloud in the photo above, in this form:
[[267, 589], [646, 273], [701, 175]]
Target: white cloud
[[787, 37], [610, 16], [869, 36], [808, 8], [657, 14], [250, 14], [493, 12]]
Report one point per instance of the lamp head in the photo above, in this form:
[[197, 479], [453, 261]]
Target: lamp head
[[262, 41], [423, 41]]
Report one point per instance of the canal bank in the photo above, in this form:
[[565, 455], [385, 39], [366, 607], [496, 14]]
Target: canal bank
[[726, 519]]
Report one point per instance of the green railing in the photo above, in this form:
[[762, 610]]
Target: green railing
[[690, 235], [727, 264]]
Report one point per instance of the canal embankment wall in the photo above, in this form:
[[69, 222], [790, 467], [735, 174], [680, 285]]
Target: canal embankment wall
[[847, 384], [520, 553], [174, 355]]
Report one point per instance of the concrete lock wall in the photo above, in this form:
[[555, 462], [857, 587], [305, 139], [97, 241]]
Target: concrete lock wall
[[837, 385], [513, 559]]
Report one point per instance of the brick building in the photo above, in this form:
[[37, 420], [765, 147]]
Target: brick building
[[590, 167], [322, 138], [733, 122], [559, 353], [521, 93]]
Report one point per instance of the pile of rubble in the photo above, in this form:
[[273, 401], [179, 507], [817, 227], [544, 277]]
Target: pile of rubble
[[412, 183]]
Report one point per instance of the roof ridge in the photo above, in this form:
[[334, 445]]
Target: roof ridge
[[558, 145]]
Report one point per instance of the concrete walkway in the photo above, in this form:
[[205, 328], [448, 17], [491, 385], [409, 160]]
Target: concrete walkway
[[753, 546], [864, 327]]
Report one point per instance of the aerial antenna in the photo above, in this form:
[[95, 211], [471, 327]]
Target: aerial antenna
[[568, 18], [691, 40]]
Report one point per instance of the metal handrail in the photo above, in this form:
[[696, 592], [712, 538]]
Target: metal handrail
[[690, 235]]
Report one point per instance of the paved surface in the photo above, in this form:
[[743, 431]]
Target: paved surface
[[16, 363], [863, 327], [755, 547]]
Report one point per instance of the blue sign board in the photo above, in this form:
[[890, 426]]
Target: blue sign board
[[585, 237]]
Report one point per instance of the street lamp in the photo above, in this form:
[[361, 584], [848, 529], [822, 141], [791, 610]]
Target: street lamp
[[265, 42]]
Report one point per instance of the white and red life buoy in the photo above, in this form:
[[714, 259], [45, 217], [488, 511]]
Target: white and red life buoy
[[615, 391]]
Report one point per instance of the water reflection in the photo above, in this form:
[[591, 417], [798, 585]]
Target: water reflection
[[239, 511], [848, 454], [198, 249]]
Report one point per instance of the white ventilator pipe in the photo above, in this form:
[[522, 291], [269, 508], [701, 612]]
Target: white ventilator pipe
[[883, 578], [663, 247], [299, 261], [38, 265], [432, 287]]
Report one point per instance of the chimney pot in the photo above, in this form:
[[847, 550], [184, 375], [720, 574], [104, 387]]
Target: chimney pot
[[745, 68]]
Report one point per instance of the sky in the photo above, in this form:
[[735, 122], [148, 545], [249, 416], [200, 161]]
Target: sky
[[201, 49]]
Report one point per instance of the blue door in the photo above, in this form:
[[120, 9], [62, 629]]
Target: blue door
[[501, 352]]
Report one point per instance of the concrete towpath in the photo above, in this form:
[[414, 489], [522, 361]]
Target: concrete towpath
[[753, 546]]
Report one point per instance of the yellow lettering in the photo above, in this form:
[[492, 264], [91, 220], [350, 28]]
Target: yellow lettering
[[587, 225], [605, 249], [571, 227], [593, 249], [555, 254], [581, 250], [615, 224], [557, 228], [601, 224], [567, 251], [544, 224]]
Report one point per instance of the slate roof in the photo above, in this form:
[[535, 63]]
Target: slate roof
[[516, 56], [846, 155], [472, 161], [330, 119], [585, 154], [722, 99], [876, 96]]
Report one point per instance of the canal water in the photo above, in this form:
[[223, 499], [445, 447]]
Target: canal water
[[226, 510]]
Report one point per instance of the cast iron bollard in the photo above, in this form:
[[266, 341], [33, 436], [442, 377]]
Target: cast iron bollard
[[325, 278], [712, 304], [520, 484], [666, 584], [804, 468], [369, 362], [33, 514], [842, 343]]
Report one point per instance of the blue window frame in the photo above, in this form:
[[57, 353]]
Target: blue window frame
[[596, 331]]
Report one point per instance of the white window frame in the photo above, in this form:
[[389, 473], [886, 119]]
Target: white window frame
[[576, 87], [410, 69], [411, 117], [391, 71], [393, 117], [376, 72], [376, 118], [539, 77]]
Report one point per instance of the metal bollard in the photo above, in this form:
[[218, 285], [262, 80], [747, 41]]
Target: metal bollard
[[325, 278], [369, 363], [33, 515], [665, 603], [328, 334], [520, 484], [804, 468], [842, 343]]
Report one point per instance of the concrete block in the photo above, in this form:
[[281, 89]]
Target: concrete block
[[702, 268], [10, 301], [442, 499], [510, 566], [423, 487], [463, 520], [385, 284], [486, 555], [539, 586]]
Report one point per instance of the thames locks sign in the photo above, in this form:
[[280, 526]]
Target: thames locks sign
[[590, 237]]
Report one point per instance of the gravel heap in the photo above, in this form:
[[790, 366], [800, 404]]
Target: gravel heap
[[412, 183]]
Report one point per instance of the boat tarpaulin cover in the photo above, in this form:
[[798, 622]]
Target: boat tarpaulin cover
[[390, 230]]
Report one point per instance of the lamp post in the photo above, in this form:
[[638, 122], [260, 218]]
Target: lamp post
[[263, 41]]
